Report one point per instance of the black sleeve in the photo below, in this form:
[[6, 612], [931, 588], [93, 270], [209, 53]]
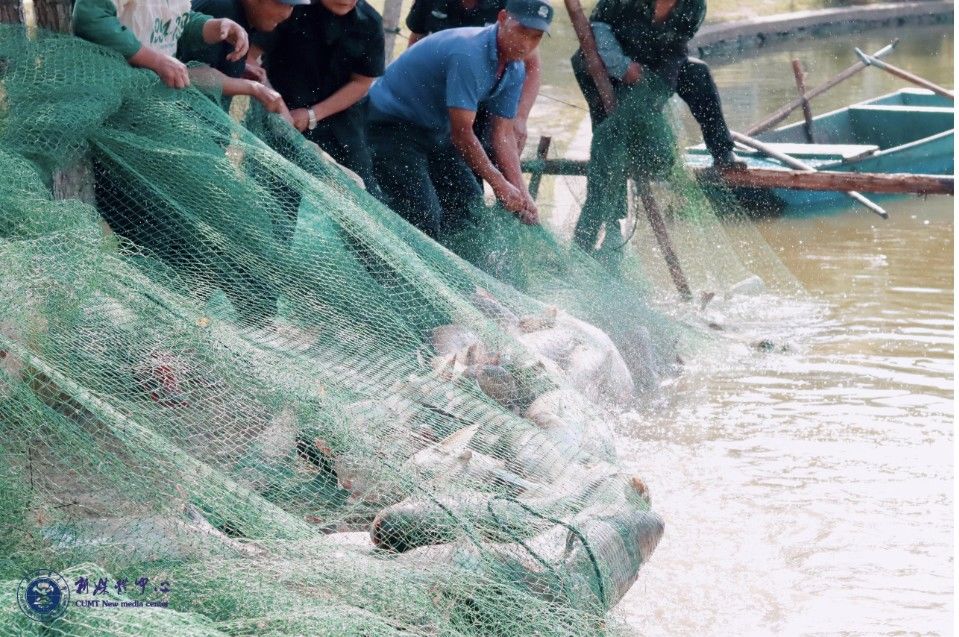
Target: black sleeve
[[373, 61], [419, 12], [266, 41], [694, 19]]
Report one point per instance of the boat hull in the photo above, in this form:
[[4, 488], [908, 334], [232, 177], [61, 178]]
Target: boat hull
[[909, 131]]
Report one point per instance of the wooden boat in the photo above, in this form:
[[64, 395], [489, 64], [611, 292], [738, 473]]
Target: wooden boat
[[909, 131]]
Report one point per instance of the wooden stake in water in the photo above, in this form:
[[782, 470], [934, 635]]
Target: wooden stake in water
[[542, 150], [806, 109]]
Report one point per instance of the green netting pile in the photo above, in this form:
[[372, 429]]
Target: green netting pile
[[274, 399]]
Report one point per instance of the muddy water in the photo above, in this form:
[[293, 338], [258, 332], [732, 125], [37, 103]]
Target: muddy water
[[810, 491], [806, 491]]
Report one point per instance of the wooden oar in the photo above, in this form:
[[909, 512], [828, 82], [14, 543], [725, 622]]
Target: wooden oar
[[871, 60], [597, 71], [800, 76], [800, 165], [784, 112], [391, 21]]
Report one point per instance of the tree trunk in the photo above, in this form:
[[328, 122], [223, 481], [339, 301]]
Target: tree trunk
[[10, 11]]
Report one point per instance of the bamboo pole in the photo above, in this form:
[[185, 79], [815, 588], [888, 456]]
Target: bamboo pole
[[542, 149], [655, 218], [784, 112], [391, 21], [795, 163], [800, 76], [597, 71], [887, 183], [50, 14], [871, 60], [11, 11], [594, 64]]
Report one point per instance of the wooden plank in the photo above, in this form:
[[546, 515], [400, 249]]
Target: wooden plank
[[542, 149], [889, 183], [10, 11], [74, 181], [843, 151], [594, 64], [391, 21], [53, 14], [792, 162], [655, 218], [569, 167]]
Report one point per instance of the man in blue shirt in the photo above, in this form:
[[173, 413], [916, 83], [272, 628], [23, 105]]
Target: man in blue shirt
[[422, 113]]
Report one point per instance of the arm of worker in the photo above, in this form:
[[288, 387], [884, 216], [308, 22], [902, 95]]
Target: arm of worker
[[97, 21], [348, 95], [465, 77], [216, 30], [254, 65], [469, 146], [617, 63], [506, 157], [527, 97], [210, 79]]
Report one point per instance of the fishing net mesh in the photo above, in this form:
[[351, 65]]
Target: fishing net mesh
[[255, 401]]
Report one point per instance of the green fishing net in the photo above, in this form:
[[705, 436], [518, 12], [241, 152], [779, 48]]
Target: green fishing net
[[274, 403]]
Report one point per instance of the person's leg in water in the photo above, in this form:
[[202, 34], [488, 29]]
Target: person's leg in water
[[635, 141], [696, 87]]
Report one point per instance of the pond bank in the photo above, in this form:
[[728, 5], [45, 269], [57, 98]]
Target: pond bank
[[727, 37]]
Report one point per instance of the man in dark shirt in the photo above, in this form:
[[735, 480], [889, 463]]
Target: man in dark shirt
[[229, 71], [643, 45], [430, 16], [323, 61]]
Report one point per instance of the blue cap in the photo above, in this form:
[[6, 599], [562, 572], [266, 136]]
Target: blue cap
[[535, 14]]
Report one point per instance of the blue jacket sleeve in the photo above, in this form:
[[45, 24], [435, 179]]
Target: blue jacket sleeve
[[609, 50]]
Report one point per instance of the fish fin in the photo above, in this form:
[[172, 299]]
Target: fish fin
[[705, 299], [473, 355]]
